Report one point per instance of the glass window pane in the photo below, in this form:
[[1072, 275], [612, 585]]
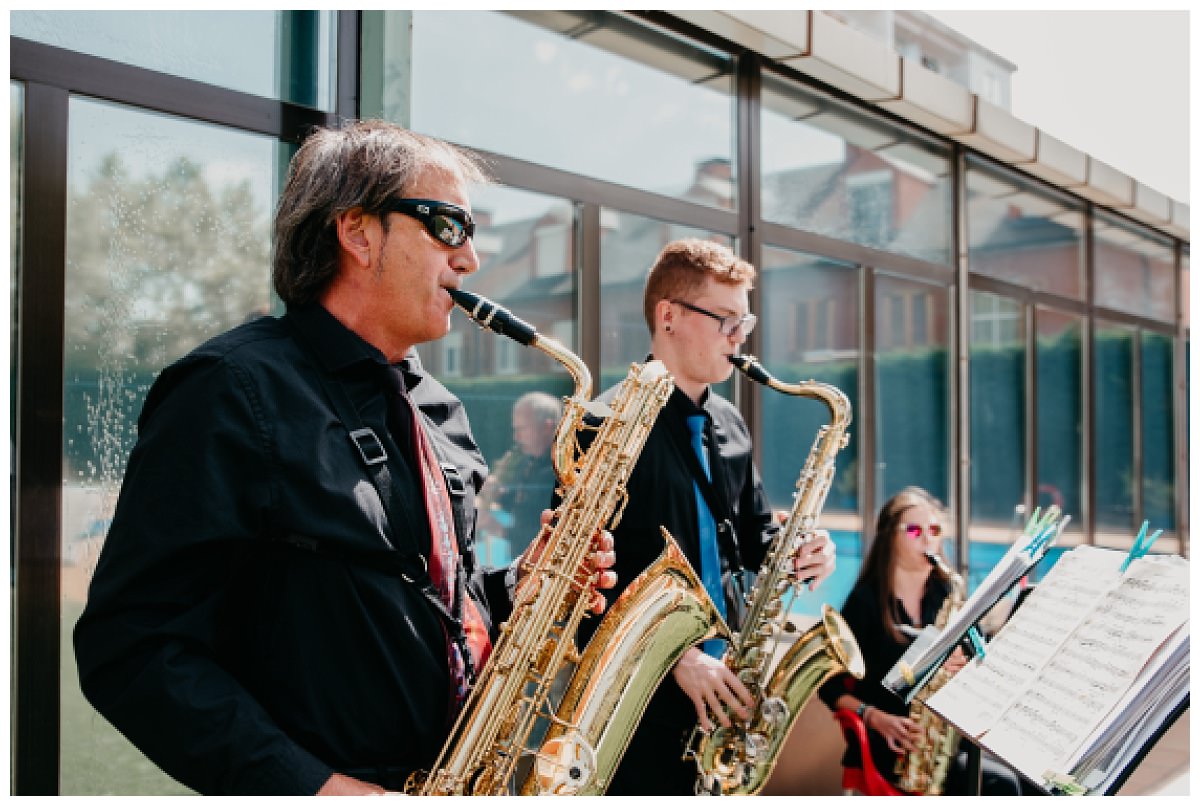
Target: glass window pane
[[629, 245], [562, 89], [168, 238], [1113, 440], [997, 390], [1158, 434], [287, 55], [1060, 416], [810, 330], [834, 171], [1022, 235], [16, 163], [528, 263], [912, 389], [1135, 271]]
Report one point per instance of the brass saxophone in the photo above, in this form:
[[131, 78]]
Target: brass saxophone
[[495, 747], [923, 771], [739, 759]]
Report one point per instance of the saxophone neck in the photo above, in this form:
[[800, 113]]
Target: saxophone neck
[[953, 578], [831, 396], [497, 318]]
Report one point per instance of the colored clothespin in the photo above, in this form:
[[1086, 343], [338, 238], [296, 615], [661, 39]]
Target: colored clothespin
[[1141, 545], [976, 642], [1063, 783]]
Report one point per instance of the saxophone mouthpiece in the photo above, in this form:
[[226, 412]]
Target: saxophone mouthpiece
[[494, 317], [752, 368]]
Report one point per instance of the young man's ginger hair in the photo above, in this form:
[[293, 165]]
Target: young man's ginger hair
[[683, 265]]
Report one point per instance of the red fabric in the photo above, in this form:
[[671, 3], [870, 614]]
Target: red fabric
[[865, 779]]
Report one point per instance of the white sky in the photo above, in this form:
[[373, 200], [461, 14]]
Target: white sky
[[1114, 84]]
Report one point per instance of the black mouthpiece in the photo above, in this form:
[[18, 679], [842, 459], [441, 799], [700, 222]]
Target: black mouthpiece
[[494, 317], [754, 370]]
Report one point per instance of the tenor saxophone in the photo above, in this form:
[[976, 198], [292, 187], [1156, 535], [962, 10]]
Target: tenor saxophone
[[923, 771], [739, 759], [495, 747]]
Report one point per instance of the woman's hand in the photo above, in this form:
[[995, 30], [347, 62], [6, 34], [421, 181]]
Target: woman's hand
[[900, 732]]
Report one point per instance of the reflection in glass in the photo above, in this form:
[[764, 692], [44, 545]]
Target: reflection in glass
[[810, 330], [997, 390], [1060, 414], [1135, 270], [1023, 235], [1113, 434], [833, 171], [573, 90], [912, 388], [526, 244], [1158, 433], [273, 54], [167, 244], [629, 245]]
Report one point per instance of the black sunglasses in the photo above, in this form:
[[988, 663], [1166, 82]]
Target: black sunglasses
[[728, 324], [449, 223]]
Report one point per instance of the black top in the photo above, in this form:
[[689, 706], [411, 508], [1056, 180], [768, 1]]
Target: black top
[[880, 652], [661, 493], [244, 627], [524, 485]]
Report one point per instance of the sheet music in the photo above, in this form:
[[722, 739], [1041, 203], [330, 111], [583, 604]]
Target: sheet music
[[1093, 670], [976, 697]]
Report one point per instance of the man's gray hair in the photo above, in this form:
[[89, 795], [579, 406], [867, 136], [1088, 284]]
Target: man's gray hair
[[541, 405], [360, 164]]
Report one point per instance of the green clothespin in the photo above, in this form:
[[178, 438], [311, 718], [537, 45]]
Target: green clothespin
[[1062, 782]]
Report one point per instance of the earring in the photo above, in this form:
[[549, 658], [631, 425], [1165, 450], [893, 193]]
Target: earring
[[667, 328]]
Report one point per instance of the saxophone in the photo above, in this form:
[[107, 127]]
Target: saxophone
[[739, 759], [496, 745], [923, 771]]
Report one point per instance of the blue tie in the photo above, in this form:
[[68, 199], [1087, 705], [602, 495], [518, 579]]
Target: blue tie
[[710, 557]]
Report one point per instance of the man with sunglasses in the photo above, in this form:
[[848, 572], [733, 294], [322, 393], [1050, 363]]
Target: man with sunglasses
[[696, 305], [288, 601]]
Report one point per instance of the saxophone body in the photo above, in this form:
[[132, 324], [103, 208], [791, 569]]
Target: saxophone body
[[739, 759], [923, 771], [511, 736]]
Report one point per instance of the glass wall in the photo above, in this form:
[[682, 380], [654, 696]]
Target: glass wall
[[588, 92], [273, 54], [912, 387], [1023, 234], [1135, 270], [810, 330], [1113, 434], [526, 244], [998, 428], [16, 145], [1060, 408], [168, 239], [1158, 432], [835, 171]]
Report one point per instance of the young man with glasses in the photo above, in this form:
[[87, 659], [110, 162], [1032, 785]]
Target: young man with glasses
[[696, 305], [288, 601]]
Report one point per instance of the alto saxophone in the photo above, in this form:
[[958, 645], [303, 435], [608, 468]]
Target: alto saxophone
[[923, 771], [739, 759], [496, 740]]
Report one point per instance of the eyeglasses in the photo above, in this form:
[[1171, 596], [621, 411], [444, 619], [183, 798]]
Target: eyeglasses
[[915, 530], [449, 223], [729, 324]]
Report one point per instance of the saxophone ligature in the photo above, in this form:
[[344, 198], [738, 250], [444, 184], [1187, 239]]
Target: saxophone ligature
[[923, 771], [739, 759], [499, 743]]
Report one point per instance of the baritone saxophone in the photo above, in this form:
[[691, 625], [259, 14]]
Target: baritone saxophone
[[496, 745], [739, 759], [923, 771]]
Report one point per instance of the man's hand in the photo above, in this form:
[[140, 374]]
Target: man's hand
[[815, 559], [599, 561], [712, 688], [339, 784]]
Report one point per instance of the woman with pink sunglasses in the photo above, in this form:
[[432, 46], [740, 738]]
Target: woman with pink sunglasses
[[897, 592]]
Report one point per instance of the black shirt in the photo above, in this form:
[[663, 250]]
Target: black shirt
[[241, 628], [661, 492], [880, 652]]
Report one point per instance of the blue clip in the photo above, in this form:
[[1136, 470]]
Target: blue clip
[[976, 642], [1141, 545]]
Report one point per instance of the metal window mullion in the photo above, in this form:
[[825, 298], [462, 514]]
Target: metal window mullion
[[960, 482], [1179, 399], [589, 293], [747, 395], [38, 450], [1031, 408], [349, 48], [1089, 379], [1135, 392], [867, 415]]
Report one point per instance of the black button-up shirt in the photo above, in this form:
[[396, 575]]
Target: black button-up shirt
[[661, 492], [240, 662]]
